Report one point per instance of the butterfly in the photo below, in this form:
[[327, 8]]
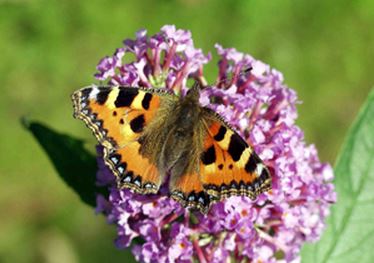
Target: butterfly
[[149, 134]]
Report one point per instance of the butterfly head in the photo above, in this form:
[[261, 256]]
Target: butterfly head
[[187, 113], [193, 93]]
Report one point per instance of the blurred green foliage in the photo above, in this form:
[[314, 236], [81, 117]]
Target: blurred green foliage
[[50, 48], [349, 237]]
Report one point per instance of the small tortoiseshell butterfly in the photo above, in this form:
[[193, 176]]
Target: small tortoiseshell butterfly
[[149, 133]]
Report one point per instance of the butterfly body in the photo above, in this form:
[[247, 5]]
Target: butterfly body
[[149, 134]]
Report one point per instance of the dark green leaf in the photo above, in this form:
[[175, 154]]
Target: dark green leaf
[[75, 165], [350, 233]]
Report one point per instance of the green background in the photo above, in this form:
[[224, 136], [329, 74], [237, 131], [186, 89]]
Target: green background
[[50, 48]]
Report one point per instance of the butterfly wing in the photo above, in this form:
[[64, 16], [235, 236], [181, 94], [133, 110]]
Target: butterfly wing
[[118, 116], [188, 190], [133, 170], [229, 166]]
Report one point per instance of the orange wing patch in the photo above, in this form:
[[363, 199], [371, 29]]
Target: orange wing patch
[[229, 166], [116, 115], [133, 170]]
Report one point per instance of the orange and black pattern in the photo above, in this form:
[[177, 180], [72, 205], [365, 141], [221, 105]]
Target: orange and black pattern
[[229, 166], [118, 116]]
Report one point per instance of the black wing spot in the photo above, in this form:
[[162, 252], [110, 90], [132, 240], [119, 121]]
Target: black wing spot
[[209, 156], [252, 162], [102, 96], [125, 97], [264, 175], [85, 93], [221, 134], [137, 124], [234, 184], [236, 147], [146, 101], [220, 166]]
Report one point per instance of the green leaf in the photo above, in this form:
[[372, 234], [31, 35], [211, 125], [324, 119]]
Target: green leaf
[[75, 165], [349, 236]]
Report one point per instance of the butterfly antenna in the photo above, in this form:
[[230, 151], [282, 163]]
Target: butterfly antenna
[[201, 83], [243, 72]]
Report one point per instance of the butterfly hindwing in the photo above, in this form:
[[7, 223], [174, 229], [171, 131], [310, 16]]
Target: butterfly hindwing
[[133, 170], [188, 190], [229, 166], [118, 116]]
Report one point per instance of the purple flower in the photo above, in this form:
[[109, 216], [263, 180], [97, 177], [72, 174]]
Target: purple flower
[[252, 97]]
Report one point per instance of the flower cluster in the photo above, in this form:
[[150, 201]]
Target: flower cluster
[[254, 100]]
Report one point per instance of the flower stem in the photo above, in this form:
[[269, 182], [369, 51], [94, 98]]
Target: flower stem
[[199, 252]]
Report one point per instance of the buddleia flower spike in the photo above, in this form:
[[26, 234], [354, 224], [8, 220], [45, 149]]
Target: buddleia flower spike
[[261, 110]]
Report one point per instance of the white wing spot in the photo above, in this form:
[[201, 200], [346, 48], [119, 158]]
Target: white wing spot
[[93, 93], [259, 169], [121, 170], [114, 160]]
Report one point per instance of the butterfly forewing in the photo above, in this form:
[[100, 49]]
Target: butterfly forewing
[[229, 166], [116, 115]]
